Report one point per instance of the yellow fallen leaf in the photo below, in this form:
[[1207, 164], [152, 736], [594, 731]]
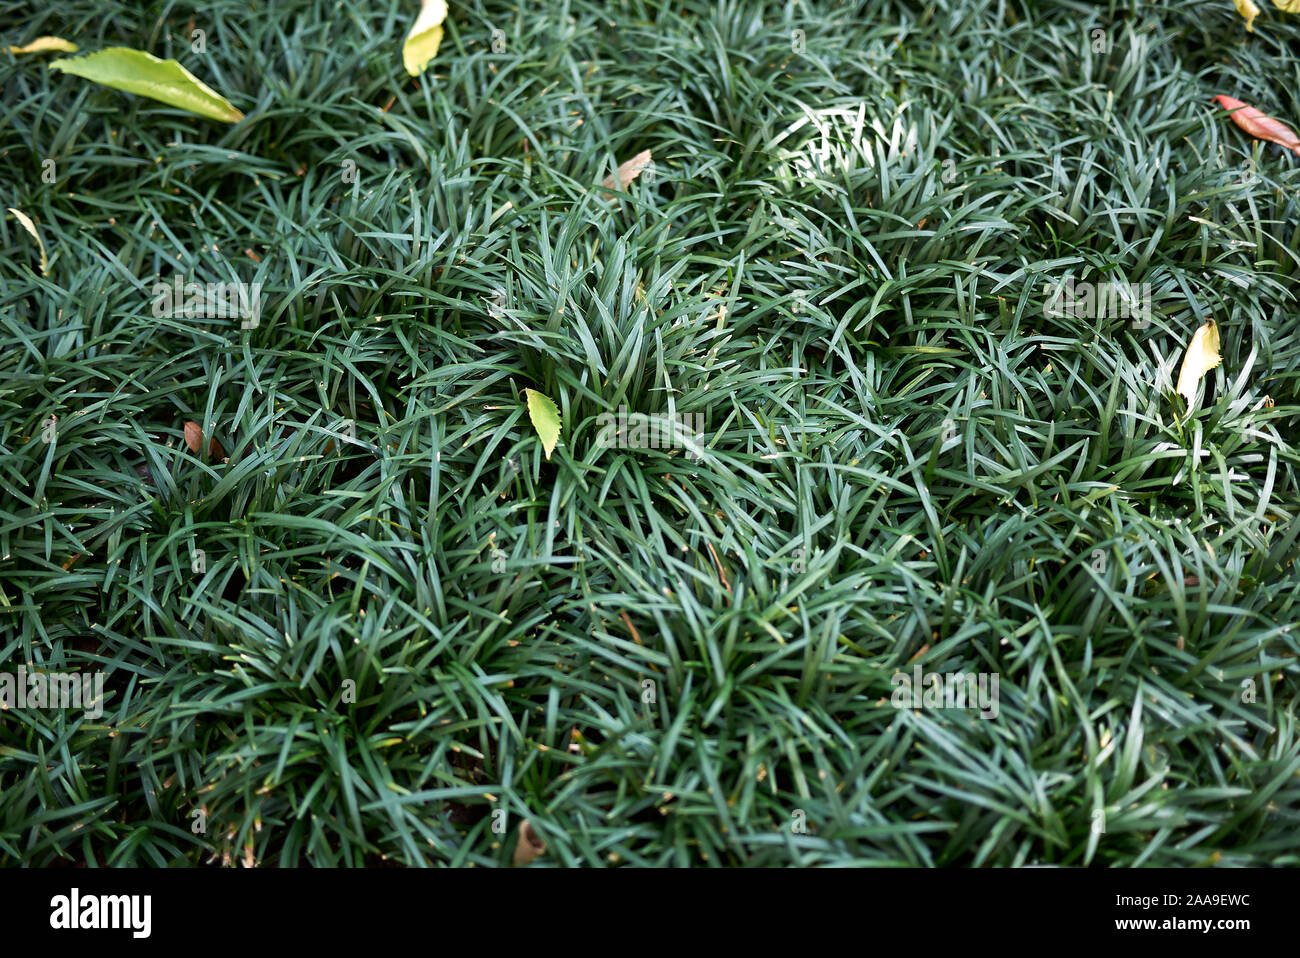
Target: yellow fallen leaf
[[1288, 6], [422, 42], [1202, 356], [1248, 10], [46, 44], [629, 171], [31, 228]]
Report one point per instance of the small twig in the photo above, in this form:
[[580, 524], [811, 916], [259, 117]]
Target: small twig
[[721, 575], [630, 627]]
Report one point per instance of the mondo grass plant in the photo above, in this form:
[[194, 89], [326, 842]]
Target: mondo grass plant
[[944, 572]]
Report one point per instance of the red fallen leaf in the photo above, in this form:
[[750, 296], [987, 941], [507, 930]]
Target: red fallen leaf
[[1258, 124], [194, 439]]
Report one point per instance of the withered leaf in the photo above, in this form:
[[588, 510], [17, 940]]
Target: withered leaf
[[194, 439], [530, 844], [627, 172]]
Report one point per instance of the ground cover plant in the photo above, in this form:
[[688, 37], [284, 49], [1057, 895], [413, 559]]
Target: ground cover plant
[[354, 613]]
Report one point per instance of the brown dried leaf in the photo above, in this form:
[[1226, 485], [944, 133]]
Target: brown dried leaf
[[193, 436], [530, 844], [627, 172], [194, 439], [1258, 124]]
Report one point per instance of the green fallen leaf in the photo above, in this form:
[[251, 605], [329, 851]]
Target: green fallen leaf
[[422, 42], [31, 228], [144, 74], [546, 419]]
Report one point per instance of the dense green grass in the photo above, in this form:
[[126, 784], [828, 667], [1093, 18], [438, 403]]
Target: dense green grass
[[906, 458]]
